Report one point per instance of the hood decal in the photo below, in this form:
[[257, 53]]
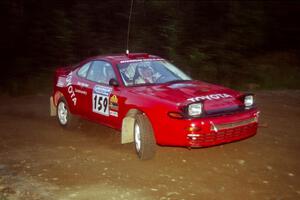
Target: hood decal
[[210, 97]]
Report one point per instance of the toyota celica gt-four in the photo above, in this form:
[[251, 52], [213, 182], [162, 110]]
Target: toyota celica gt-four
[[150, 101]]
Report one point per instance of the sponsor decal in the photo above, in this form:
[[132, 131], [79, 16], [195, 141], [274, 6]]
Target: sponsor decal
[[82, 84], [60, 82], [70, 88], [210, 97], [140, 60], [80, 91], [113, 113], [113, 103], [103, 90], [114, 99]]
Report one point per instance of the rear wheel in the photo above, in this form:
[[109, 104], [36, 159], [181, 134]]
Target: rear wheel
[[144, 140], [64, 116]]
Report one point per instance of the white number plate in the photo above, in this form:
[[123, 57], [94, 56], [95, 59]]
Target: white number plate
[[100, 104]]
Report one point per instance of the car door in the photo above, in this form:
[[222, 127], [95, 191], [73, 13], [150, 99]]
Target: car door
[[103, 101]]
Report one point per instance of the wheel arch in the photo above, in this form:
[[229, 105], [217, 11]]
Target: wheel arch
[[54, 101], [57, 96]]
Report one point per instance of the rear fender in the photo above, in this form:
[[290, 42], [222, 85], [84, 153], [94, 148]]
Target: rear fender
[[57, 96]]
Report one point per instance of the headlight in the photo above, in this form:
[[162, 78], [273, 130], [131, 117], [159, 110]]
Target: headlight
[[248, 100], [195, 109]]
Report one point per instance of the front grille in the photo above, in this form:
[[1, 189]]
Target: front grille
[[225, 135], [230, 111]]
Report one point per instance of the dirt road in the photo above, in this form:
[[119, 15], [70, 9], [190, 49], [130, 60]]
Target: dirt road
[[40, 160]]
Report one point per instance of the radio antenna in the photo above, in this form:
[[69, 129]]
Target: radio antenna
[[128, 28]]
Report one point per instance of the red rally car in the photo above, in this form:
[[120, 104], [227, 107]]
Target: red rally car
[[151, 102]]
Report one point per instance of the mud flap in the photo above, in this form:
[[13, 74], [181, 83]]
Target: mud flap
[[52, 107], [127, 130]]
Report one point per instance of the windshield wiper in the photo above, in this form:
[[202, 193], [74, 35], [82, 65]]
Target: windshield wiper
[[176, 81]]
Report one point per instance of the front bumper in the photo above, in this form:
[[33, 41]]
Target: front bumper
[[210, 131], [224, 133]]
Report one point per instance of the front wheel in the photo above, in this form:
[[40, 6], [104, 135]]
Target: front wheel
[[144, 140]]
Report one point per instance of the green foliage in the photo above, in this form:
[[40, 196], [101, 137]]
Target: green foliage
[[277, 70], [59, 42]]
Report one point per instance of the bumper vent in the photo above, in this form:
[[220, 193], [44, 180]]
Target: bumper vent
[[226, 133]]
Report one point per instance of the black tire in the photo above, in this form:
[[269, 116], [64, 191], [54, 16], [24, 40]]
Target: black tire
[[68, 121], [144, 140]]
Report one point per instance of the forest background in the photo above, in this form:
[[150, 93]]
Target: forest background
[[246, 45]]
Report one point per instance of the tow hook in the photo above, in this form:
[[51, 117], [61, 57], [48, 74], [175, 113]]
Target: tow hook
[[213, 127]]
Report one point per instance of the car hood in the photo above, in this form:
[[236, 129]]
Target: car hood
[[183, 93]]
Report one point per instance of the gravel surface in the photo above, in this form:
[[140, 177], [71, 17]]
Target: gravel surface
[[40, 160]]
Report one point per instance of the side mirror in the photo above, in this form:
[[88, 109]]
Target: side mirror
[[113, 82]]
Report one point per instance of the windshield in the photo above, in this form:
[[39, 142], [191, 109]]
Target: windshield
[[150, 72]]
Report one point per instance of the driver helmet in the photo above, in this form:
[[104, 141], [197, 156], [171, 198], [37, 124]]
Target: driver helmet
[[145, 70]]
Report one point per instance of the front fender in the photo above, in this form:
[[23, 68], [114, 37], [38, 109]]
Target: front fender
[[157, 112]]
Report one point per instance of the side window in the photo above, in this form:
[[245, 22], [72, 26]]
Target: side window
[[101, 72], [83, 70]]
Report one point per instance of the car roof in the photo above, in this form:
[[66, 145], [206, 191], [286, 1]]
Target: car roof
[[119, 58]]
